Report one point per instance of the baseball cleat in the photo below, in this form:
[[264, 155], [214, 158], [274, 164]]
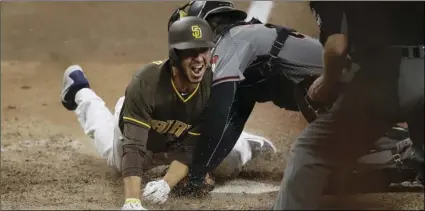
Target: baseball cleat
[[73, 80], [260, 146]]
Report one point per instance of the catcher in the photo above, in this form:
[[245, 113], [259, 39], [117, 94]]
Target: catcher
[[158, 114], [251, 62]]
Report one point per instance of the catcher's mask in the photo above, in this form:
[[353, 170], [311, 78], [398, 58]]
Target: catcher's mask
[[309, 109], [217, 13], [204, 9]]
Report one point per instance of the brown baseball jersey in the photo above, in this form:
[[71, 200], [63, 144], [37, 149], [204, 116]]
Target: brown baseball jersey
[[153, 103]]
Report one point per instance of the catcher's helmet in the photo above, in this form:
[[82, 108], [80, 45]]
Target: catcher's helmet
[[188, 33], [204, 9]]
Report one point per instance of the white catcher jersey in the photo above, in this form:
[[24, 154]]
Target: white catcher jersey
[[240, 46]]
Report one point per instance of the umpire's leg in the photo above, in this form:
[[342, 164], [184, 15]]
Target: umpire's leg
[[416, 132], [411, 100], [362, 114]]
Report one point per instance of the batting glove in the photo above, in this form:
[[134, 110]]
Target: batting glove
[[157, 191], [132, 204]]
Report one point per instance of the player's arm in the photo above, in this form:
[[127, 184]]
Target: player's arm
[[135, 126], [179, 169], [214, 121], [176, 173], [333, 35], [230, 57]]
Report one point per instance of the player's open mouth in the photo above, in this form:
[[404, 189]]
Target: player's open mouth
[[197, 70]]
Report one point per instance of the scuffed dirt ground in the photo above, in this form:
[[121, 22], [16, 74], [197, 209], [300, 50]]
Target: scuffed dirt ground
[[47, 161]]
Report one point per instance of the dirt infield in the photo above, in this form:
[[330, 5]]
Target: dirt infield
[[48, 163]]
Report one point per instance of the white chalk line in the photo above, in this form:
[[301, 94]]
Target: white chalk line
[[245, 186]]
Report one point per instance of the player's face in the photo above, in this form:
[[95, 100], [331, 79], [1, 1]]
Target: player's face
[[195, 62]]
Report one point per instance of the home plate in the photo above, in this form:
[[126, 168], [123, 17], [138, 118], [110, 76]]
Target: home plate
[[245, 186]]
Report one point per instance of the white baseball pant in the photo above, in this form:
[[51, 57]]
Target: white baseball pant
[[102, 126]]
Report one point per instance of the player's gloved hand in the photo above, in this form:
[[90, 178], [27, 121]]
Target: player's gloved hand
[[157, 191], [132, 204]]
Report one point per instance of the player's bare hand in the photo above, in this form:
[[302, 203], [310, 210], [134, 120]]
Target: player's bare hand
[[321, 91], [156, 191]]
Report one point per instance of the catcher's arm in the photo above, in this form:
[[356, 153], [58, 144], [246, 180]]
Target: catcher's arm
[[209, 148]]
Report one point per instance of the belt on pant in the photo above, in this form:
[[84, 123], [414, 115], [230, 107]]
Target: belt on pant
[[407, 52], [412, 51]]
